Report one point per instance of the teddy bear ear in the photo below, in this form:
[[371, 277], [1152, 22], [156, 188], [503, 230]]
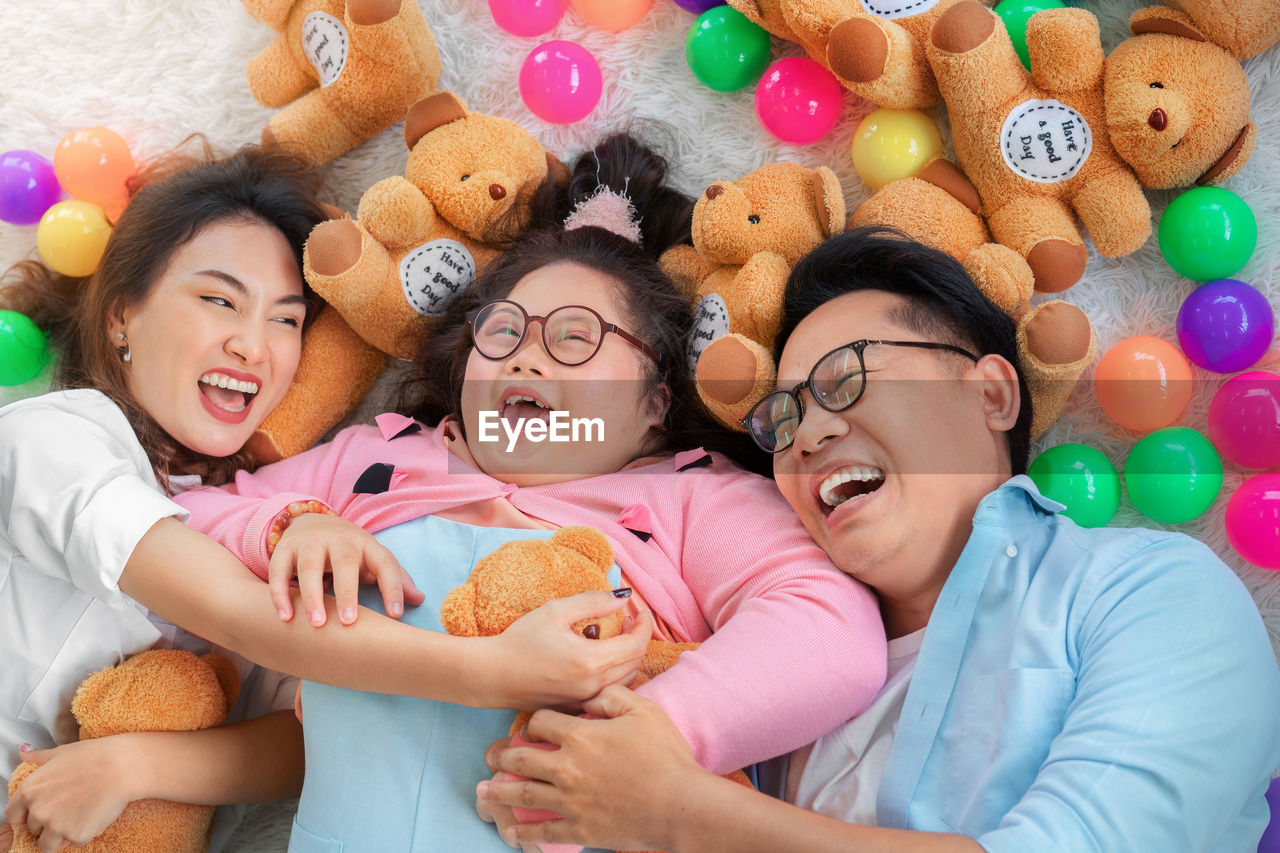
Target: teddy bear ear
[[1160, 19], [557, 171], [587, 541], [1235, 158], [227, 677], [829, 198], [431, 112], [458, 611]]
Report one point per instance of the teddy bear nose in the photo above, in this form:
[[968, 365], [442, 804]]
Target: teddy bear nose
[[591, 632], [1158, 120], [714, 191], [497, 191]]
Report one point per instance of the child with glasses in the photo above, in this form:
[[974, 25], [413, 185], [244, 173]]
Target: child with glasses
[[578, 320]]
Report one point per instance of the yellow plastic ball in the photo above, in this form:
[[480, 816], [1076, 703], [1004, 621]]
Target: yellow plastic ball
[[893, 144], [71, 236]]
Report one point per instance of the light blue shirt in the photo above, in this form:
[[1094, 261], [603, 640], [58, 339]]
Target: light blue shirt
[[1086, 689]]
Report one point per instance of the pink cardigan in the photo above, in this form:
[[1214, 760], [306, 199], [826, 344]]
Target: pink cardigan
[[798, 647]]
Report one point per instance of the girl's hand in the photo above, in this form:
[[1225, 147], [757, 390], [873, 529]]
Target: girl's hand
[[77, 791], [539, 661], [317, 544], [496, 813]]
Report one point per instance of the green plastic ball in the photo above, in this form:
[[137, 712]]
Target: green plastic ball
[[23, 353], [725, 50], [1173, 475], [1016, 14], [1080, 477], [1208, 233]]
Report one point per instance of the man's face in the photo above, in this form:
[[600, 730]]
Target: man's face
[[889, 486]]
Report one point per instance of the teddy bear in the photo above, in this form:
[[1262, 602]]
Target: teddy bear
[[874, 47], [342, 70], [1080, 135], [940, 209], [157, 690], [1244, 28], [747, 235], [417, 241]]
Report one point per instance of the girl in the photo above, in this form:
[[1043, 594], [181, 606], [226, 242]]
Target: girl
[[578, 321], [183, 341]]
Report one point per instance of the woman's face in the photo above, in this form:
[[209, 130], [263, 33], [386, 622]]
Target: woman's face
[[612, 387], [215, 345]]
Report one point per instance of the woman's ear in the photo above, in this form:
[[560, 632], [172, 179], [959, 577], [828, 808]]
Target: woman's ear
[[658, 405], [115, 320], [999, 389]]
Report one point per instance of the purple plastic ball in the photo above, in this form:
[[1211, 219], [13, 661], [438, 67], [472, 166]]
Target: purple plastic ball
[[697, 7], [28, 187], [1225, 326]]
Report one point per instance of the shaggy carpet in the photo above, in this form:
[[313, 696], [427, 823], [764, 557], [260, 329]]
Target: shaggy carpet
[[158, 70]]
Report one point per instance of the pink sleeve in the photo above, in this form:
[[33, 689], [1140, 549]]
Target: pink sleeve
[[798, 648]]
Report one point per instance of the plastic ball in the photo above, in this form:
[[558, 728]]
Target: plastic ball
[[1208, 233], [1016, 14], [93, 165], [725, 50], [560, 82], [892, 144], [1080, 477], [1270, 841], [527, 18], [798, 100], [1226, 326], [71, 236], [1173, 475], [1244, 419], [612, 15], [1143, 383], [28, 187], [23, 350], [697, 7], [1253, 520]]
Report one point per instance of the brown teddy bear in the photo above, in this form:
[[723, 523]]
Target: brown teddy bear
[[417, 241], [874, 47], [1245, 27], [342, 71], [157, 690], [1080, 135], [1055, 339], [747, 235]]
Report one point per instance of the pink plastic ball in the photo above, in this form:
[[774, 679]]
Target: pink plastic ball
[[1244, 419], [1253, 520], [560, 82], [798, 101], [526, 18]]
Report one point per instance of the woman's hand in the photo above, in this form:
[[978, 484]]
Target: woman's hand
[[77, 791], [496, 813], [317, 544]]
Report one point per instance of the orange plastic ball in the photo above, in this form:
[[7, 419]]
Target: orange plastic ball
[[92, 165], [612, 15], [1143, 383]]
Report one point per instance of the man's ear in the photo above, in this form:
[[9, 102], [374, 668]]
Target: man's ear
[[1001, 400]]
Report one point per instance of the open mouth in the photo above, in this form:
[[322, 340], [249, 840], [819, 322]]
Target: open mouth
[[517, 407], [230, 395], [849, 484]]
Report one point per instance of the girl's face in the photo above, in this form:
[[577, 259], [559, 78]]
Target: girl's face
[[503, 400], [215, 345]]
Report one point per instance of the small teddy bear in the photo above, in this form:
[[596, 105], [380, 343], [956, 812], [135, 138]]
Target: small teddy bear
[[416, 243], [1081, 134], [342, 71], [874, 47], [747, 235], [157, 690]]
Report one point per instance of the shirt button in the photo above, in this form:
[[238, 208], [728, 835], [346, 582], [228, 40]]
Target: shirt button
[[1011, 551]]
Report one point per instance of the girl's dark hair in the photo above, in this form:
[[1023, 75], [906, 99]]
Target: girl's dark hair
[[171, 201], [657, 313], [943, 303]]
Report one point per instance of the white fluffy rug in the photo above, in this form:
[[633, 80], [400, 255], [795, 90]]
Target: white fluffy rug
[[158, 70]]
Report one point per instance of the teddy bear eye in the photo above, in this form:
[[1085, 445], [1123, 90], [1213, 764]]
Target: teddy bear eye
[[465, 177], [591, 632], [1157, 85], [753, 219]]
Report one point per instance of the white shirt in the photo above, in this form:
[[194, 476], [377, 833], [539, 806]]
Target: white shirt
[[77, 493], [840, 775]]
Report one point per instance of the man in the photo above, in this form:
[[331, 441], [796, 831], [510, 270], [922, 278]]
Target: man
[[1073, 689]]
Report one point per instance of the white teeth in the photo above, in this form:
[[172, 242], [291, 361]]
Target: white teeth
[[854, 473], [223, 381], [521, 398]]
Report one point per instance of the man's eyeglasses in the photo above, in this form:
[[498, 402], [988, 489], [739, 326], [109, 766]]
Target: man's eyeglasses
[[836, 382], [571, 334]]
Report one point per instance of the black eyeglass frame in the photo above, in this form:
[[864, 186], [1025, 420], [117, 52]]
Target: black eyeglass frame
[[605, 326], [858, 347]]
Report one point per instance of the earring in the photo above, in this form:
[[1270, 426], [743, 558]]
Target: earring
[[125, 355]]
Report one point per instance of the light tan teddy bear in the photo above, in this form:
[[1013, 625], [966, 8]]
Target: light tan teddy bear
[[158, 690], [747, 235], [341, 71]]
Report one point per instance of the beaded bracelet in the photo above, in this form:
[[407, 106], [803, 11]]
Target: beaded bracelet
[[281, 522]]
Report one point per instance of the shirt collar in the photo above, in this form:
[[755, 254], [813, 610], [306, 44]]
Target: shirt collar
[[1014, 491]]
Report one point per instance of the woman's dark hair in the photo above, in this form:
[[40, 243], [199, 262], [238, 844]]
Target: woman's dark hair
[[942, 302], [657, 313], [171, 201]]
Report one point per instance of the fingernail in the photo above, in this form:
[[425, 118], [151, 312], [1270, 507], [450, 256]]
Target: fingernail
[[317, 617], [622, 592], [26, 747], [348, 615], [482, 790], [284, 614], [396, 608]]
